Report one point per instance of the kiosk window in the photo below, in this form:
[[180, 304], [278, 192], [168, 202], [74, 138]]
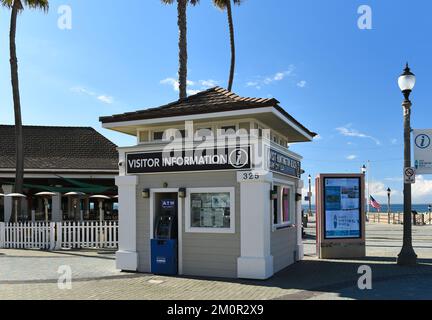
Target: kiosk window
[[286, 205], [275, 206], [283, 206], [228, 130], [203, 132], [210, 210], [158, 135]]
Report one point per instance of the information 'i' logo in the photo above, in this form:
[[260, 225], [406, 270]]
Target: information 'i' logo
[[422, 141]]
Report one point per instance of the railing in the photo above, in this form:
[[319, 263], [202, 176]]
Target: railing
[[397, 218], [61, 235], [88, 234]]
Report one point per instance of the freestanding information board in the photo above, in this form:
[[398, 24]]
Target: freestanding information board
[[341, 218]]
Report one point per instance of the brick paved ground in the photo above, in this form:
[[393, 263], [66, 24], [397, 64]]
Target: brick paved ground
[[33, 275]]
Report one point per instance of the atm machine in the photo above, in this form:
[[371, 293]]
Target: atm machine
[[164, 245]]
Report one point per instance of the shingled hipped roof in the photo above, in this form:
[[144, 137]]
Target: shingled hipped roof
[[59, 148], [212, 100]]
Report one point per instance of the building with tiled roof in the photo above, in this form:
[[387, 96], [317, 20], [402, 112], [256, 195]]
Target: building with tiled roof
[[58, 159], [59, 149]]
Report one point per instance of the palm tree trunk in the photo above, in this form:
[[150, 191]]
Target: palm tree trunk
[[181, 10], [19, 174], [233, 51]]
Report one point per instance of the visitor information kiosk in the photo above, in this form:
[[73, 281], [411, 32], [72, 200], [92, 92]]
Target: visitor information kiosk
[[212, 187], [340, 216]]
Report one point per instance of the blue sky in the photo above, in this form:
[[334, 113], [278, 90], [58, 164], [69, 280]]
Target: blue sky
[[338, 80]]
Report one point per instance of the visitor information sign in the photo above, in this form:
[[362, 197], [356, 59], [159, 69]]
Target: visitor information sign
[[423, 151], [342, 208]]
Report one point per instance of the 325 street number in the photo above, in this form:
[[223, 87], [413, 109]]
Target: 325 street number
[[250, 176]]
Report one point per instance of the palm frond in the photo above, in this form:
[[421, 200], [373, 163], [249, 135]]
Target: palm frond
[[222, 4], [6, 3], [32, 4], [192, 2], [37, 4]]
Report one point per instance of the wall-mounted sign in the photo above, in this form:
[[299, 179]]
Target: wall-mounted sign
[[409, 175], [284, 164], [342, 208], [168, 204], [188, 160], [423, 151]]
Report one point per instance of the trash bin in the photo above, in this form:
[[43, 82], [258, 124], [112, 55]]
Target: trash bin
[[164, 257]]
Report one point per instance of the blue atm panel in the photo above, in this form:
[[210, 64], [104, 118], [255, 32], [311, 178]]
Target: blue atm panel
[[164, 257]]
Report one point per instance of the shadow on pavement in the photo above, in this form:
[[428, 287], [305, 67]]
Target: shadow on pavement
[[312, 278]]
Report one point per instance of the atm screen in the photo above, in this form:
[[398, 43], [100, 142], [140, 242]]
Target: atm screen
[[166, 220]]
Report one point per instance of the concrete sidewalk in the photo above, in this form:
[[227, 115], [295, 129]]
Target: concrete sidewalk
[[33, 274]]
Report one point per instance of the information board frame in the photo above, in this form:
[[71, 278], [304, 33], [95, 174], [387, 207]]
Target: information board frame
[[339, 248], [360, 208]]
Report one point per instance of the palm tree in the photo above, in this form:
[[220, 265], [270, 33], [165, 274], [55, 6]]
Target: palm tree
[[182, 25], [226, 5], [17, 6]]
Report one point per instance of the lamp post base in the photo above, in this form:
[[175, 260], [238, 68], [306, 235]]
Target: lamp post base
[[407, 257]]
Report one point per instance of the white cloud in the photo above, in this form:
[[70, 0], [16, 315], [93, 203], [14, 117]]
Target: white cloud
[[351, 157], [199, 85], [347, 131], [208, 83], [82, 90], [252, 84], [191, 92], [301, 84], [422, 190], [101, 97], [379, 190], [267, 80], [172, 82], [394, 141], [106, 99], [394, 179], [318, 137]]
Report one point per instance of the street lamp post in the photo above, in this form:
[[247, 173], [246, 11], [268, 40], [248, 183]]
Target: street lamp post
[[310, 195], [388, 204], [430, 213], [365, 170], [407, 256]]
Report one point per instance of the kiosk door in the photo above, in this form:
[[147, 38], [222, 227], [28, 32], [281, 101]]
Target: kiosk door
[[164, 245]]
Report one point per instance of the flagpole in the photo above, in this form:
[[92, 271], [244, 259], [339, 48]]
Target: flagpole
[[368, 187]]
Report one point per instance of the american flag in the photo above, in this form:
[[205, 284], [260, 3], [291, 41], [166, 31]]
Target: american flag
[[375, 204]]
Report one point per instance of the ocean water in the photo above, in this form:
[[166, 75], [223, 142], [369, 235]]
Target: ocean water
[[395, 208]]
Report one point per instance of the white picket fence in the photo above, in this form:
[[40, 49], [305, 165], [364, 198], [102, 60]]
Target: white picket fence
[[60, 235]]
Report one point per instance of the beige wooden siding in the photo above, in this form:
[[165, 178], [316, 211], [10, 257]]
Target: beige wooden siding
[[283, 248], [204, 254]]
